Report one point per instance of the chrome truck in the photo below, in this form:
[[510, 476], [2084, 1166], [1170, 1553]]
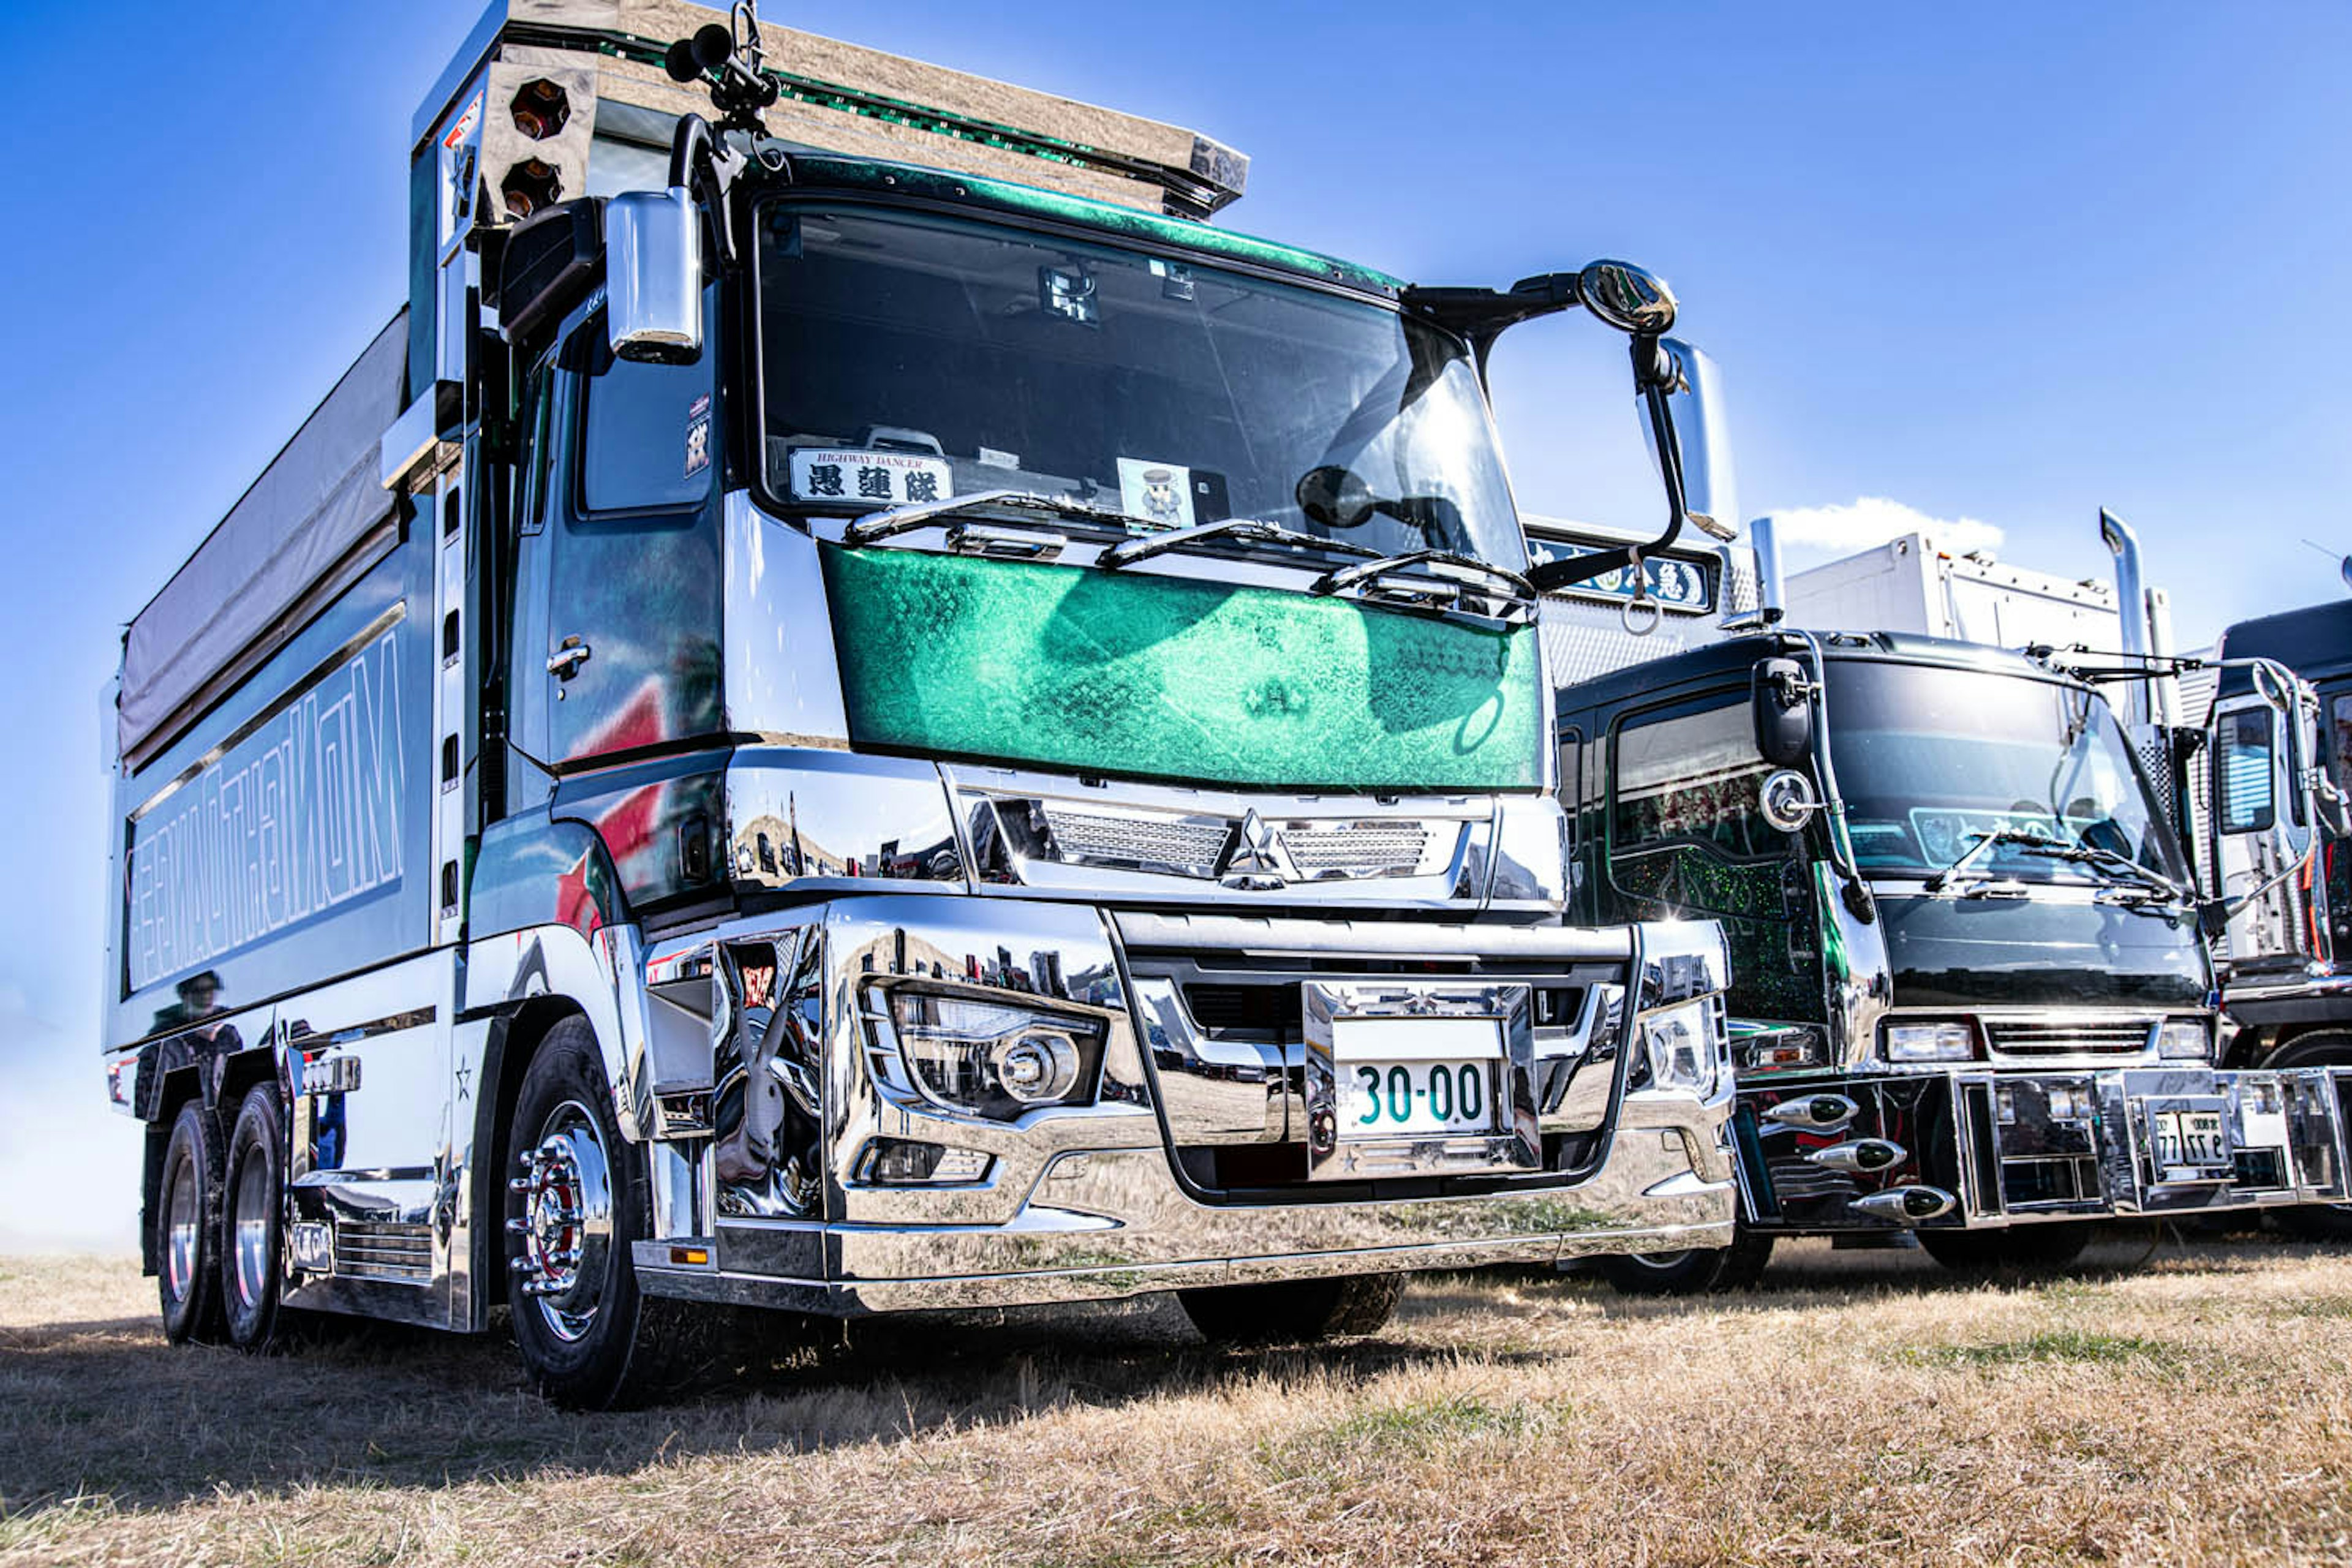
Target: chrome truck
[[2272, 830], [855, 710], [1971, 1000]]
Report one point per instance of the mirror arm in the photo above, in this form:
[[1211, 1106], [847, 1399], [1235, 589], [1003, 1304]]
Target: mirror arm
[[1652, 374], [701, 163]]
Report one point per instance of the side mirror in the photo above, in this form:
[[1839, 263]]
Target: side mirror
[[1781, 703], [653, 276], [1695, 396], [1786, 800]]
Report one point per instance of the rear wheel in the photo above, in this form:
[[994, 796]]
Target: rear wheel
[[2316, 1221], [590, 1338], [254, 1192], [1293, 1311], [2028, 1251], [1694, 1272], [187, 1228]]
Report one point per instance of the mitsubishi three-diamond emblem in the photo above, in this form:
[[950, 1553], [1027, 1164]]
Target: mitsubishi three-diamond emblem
[[1253, 867]]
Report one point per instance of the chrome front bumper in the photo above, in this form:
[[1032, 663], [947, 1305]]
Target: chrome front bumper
[[2010, 1148], [1122, 1195]]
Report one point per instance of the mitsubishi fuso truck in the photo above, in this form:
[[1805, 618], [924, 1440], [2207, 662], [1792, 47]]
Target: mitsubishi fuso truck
[[1971, 999], [855, 710]]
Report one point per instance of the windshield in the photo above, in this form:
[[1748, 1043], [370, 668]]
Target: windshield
[[1930, 761], [911, 359]]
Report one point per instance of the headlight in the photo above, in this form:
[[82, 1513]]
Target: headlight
[[1945, 1042], [2184, 1039], [991, 1058], [1680, 1042]]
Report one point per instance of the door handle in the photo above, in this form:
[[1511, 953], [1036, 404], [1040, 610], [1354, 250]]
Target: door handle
[[565, 662]]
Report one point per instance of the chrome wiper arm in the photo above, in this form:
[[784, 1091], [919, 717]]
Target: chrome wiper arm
[[1984, 841], [1144, 547], [1441, 565], [877, 525]]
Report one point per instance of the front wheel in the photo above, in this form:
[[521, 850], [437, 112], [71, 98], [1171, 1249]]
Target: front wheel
[[1694, 1272], [2029, 1251], [1293, 1311], [590, 1339]]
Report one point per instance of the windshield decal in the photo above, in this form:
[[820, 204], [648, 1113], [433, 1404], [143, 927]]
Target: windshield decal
[[1158, 494], [877, 478], [1147, 676]]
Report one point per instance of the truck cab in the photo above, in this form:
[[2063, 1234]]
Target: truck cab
[[899, 721], [1970, 998]]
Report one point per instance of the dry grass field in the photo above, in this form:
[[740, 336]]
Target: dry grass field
[[1860, 1408]]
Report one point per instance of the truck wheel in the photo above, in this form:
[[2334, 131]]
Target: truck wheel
[[253, 1189], [589, 1339], [1293, 1310], [1694, 1272], [2316, 1221], [2029, 1251], [187, 1229]]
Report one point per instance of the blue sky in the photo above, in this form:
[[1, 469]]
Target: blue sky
[[2000, 264]]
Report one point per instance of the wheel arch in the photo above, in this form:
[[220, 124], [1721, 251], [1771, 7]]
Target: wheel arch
[[515, 1034]]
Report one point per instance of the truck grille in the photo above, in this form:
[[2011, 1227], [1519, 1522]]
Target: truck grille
[[1192, 844], [1356, 849], [2072, 1036], [366, 1250]]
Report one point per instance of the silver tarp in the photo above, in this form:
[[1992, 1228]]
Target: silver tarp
[[297, 528]]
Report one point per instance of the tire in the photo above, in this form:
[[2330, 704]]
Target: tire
[[1694, 1272], [2316, 1221], [186, 1221], [2026, 1252], [252, 1229], [596, 1344]]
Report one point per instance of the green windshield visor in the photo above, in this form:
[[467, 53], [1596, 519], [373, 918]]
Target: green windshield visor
[[1166, 678]]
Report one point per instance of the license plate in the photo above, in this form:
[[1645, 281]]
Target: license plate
[[1398, 1077], [2191, 1139]]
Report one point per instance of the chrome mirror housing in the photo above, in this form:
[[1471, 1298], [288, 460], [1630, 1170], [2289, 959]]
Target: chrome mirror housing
[[653, 276], [1630, 299], [1786, 801], [1695, 393]]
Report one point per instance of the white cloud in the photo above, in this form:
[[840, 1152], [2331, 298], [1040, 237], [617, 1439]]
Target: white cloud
[[1828, 531]]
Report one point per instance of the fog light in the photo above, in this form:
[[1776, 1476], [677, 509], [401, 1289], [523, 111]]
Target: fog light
[[907, 1162], [2068, 1102], [2183, 1040], [1952, 1041]]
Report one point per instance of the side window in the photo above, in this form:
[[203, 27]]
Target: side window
[[2338, 740], [2243, 770], [647, 434], [1692, 776]]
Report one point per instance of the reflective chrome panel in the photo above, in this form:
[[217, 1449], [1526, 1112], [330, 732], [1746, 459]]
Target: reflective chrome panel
[[816, 819], [1046, 834], [781, 678]]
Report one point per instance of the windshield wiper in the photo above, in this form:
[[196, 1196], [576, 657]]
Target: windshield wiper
[[2091, 855], [1391, 576], [1143, 548], [877, 525], [1984, 841]]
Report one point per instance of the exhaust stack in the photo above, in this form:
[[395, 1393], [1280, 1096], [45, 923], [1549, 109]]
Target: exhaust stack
[[2131, 598]]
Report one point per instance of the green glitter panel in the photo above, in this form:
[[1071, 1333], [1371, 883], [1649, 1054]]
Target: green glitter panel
[[1167, 678]]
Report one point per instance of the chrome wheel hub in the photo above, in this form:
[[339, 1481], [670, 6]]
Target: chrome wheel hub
[[186, 1215], [565, 1228], [249, 1227]]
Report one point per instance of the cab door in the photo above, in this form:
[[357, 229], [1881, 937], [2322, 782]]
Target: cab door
[[1686, 838], [2263, 839]]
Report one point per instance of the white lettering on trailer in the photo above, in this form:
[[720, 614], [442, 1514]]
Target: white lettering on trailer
[[298, 816]]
